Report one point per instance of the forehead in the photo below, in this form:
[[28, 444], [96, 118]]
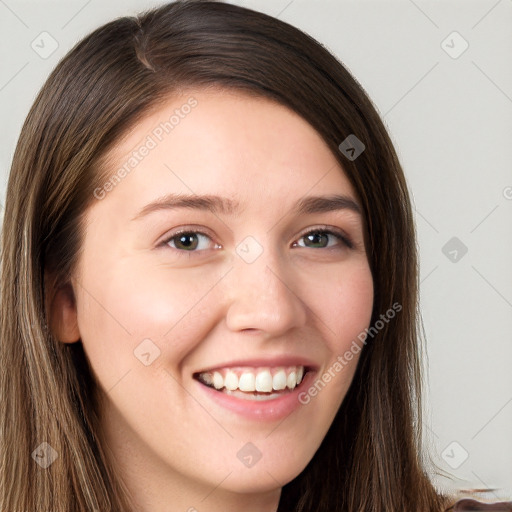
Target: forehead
[[247, 148]]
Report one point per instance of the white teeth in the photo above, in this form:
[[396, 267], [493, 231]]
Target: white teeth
[[262, 380], [291, 381], [231, 380], [247, 382], [279, 380], [208, 378], [218, 380]]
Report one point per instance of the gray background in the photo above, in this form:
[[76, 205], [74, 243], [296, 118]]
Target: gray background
[[449, 113]]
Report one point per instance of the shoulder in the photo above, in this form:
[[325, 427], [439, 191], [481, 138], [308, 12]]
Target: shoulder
[[469, 505]]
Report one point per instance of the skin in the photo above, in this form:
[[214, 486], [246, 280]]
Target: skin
[[174, 447]]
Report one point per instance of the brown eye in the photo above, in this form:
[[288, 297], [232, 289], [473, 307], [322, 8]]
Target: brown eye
[[189, 241], [320, 238]]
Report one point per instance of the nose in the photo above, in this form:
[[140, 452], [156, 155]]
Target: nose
[[261, 296]]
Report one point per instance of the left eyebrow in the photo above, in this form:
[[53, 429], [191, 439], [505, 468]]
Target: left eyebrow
[[320, 204], [217, 204]]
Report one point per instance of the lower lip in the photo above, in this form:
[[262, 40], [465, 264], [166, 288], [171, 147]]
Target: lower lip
[[266, 410]]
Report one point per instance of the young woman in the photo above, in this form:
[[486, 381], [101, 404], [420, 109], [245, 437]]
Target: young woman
[[209, 281]]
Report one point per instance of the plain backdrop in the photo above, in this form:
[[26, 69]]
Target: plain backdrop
[[440, 74]]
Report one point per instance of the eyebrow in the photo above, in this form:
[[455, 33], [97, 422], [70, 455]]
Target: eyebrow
[[223, 205]]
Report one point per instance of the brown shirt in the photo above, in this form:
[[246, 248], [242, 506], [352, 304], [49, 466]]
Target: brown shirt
[[469, 505]]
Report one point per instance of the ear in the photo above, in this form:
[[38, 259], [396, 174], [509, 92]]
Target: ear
[[62, 313]]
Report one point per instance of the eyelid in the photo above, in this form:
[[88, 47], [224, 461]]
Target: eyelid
[[185, 229]]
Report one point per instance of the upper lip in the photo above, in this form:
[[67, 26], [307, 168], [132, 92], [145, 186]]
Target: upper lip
[[285, 360]]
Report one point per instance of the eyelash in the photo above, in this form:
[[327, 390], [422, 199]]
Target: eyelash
[[340, 235]]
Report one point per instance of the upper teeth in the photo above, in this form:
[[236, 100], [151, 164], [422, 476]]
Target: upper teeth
[[254, 379]]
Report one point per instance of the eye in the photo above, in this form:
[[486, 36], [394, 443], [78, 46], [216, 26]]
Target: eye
[[189, 241], [319, 239]]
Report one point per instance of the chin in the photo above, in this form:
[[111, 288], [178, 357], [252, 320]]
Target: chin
[[262, 478]]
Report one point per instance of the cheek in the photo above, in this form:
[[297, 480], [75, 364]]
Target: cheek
[[342, 309], [120, 310], [343, 303]]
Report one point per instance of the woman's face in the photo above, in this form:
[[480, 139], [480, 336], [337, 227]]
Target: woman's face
[[197, 273]]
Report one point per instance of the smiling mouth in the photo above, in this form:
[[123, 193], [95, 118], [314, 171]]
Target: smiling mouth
[[264, 383]]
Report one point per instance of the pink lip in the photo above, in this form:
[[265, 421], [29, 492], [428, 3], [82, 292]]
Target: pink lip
[[270, 362], [268, 410]]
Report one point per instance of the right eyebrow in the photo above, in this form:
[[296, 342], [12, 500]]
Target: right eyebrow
[[211, 203]]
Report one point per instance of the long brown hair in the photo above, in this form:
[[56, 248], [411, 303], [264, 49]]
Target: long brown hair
[[371, 458]]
